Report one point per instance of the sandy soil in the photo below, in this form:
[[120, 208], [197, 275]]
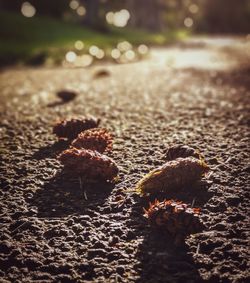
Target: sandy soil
[[195, 93]]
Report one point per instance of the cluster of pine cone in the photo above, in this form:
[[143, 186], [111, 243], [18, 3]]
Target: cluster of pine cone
[[184, 167], [84, 158]]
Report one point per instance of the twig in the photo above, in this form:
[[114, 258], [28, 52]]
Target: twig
[[197, 249], [193, 202], [83, 188], [20, 226], [209, 174]]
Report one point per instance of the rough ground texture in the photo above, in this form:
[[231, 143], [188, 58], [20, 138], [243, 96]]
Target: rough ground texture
[[196, 93]]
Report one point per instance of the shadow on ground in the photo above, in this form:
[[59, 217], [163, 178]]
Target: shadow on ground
[[162, 262], [64, 96], [51, 150], [239, 77], [62, 196]]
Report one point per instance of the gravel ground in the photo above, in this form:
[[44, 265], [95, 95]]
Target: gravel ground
[[196, 93]]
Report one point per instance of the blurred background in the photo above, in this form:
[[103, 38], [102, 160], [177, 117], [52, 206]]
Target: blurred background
[[82, 32]]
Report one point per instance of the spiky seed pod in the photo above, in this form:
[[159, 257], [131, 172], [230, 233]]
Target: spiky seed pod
[[182, 151], [98, 139], [71, 128], [89, 164], [175, 217], [172, 175]]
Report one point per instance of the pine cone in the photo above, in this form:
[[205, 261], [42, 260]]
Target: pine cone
[[95, 139], [172, 175], [182, 151], [88, 163], [175, 217], [71, 128]]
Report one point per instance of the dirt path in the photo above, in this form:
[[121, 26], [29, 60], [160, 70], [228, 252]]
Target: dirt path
[[196, 93]]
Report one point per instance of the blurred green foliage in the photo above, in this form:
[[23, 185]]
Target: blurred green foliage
[[33, 40], [55, 27]]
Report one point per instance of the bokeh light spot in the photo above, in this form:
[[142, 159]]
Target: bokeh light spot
[[124, 46], [143, 49], [79, 45], [121, 18], [93, 50], [28, 10], [130, 55], [70, 56], [115, 53], [74, 4], [193, 8], [118, 19], [188, 22], [100, 54], [84, 60], [110, 18], [81, 11]]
